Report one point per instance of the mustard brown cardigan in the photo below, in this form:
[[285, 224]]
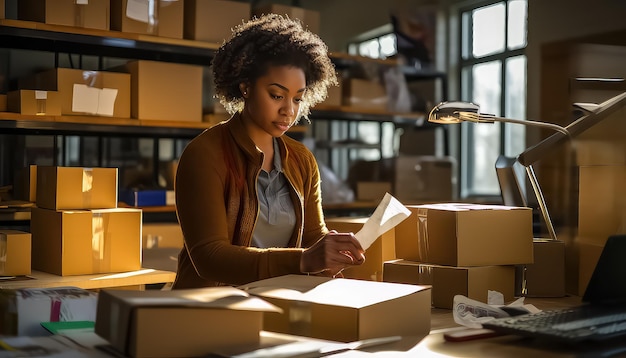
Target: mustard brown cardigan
[[217, 208]]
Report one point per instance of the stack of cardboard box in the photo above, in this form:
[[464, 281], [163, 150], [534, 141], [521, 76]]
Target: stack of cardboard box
[[76, 226], [208, 21], [462, 249]]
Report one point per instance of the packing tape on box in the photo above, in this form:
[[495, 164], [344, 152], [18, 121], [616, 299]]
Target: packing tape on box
[[300, 318], [100, 242], [425, 274], [144, 11], [79, 12], [87, 187], [422, 234]]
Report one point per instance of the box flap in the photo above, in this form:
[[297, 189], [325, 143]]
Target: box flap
[[325, 290]]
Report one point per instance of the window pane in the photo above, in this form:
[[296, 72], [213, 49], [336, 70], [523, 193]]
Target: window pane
[[488, 30], [517, 24], [515, 99], [486, 86], [486, 91], [369, 49], [388, 45]]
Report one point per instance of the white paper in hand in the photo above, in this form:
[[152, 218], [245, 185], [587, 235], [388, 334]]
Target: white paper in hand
[[389, 213]]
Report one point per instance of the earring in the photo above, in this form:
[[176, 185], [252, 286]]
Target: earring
[[245, 93]]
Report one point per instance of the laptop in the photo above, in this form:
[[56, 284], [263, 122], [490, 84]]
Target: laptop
[[601, 317]]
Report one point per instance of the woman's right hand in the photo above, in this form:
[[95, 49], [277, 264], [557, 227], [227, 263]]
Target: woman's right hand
[[333, 253]]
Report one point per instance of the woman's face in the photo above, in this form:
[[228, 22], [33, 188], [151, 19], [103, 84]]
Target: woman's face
[[272, 103]]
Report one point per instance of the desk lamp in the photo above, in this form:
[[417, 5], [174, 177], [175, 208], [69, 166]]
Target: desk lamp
[[457, 112]]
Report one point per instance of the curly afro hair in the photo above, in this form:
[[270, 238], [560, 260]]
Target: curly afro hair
[[271, 40]]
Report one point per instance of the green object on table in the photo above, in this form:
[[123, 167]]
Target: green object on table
[[59, 327]]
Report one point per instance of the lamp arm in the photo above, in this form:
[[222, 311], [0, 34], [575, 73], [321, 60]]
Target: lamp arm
[[528, 122]]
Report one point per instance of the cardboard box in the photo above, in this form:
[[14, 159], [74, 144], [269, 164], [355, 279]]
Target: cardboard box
[[459, 234], [159, 235], [15, 248], [602, 201], [93, 14], [213, 20], [383, 249], [33, 102], [179, 323], [23, 310], [165, 91], [545, 277], [80, 242], [334, 98], [76, 188], [448, 281], [309, 18], [372, 190], [410, 272], [423, 141], [85, 92], [343, 309], [134, 17], [2, 11], [421, 179], [3, 103], [364, 94]]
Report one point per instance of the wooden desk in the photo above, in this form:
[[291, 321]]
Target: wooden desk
[[138, 278], [433, 345]]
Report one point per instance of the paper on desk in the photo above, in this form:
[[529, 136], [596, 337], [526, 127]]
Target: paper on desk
[[389, 213], [472, 313]]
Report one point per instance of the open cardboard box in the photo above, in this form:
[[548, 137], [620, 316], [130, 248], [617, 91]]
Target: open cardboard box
[[344, 310]]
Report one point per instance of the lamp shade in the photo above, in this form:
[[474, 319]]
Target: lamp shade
[[451, 112]]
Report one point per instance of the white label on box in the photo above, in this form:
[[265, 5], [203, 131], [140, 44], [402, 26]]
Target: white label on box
[[138, 9], [82, 2], [41, 94], [92, 100], [106, 104], [85, 99]]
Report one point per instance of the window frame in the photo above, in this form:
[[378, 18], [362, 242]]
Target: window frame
[[465, 87]]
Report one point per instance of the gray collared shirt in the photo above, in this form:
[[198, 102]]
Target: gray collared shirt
[[277, 217]]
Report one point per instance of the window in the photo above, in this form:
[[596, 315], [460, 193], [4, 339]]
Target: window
[[379, 47], [493, 75]]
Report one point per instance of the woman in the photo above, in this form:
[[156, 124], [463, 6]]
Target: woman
[[248, 197]]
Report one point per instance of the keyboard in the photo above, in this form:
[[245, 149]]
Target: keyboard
[[582, 323]]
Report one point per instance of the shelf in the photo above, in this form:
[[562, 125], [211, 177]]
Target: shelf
[[352, 114], [101, 126], [29, 35], [345, 145], [128, 126]]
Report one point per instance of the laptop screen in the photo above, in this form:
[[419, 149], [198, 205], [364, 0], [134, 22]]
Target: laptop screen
[[608, 281]]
